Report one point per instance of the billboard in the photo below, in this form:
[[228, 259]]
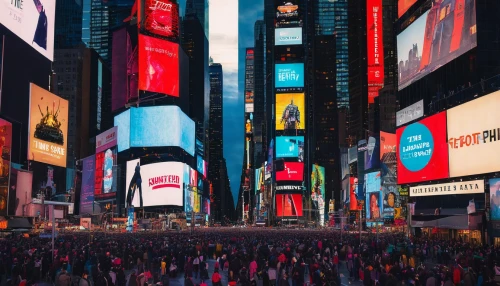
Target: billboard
[[125, 67], [374, 207], [289, 106], [87, 190], [5, 149], [293, 172], [48, 127], [440, 35], [200, 166], [33, 22], [495, 198], [160, 18], [158, 66], [318, 191], [290, 147], [200, 150], [270, 160], [106, 140], [455, 188], [289, 75], [474, 136], [390, 194], [155, 126], [375, 46], [387, 144], [154, 184], [410, 113], [23, 188], [404, 5], [105, 174], [259, 180], [288, 205], [287, 13], [287, 36], [372, 156], [422, 150]]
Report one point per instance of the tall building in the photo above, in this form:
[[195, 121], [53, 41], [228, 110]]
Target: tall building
[[200, 8], [68, 26], [259, 123], [215, 151]]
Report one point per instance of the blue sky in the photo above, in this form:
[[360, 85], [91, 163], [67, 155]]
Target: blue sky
[[231, 31]]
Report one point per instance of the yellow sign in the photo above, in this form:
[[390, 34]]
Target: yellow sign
[[290, 111]]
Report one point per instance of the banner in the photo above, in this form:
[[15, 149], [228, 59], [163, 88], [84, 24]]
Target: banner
[[410, 113], [456, 188], [87, 189], [106, 140], [375, 45]]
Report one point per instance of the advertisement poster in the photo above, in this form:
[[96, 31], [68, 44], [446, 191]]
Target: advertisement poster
[[289, 107], [288, 205], [105, 183], [158, 66], [106, 140], [48, 129], [32, 21], [290, 147], [161, 18], [419, 51], [388, 167], [188, 190], [87, 190], [5, 148], [249, 79], [287, 13], [353, 193], [474, 136], [287, 36], [318, 191], [422, 150], [404, 5], [23, 191], [495, 198], [200, 166], [289, 75], [130, 219], [372, 156], [270, 160], [445, 189], [375, 45], [374, 208], [293, 172]]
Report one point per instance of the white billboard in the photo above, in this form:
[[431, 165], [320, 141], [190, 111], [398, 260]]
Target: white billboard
[[410, 113], [474, 136], [161, 184], [32, 21], [456, 188]]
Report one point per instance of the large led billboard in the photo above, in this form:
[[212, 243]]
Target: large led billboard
[[33, 22], [158, 66], [289, 75], [105, 174], [474, 136], [422, 150], [441, 34], [404, 5], [290, 147], [372, 153], [289, 107], [87, 188], [318, 191], [288, 36], [249, 79], [155, 126], [48, 127], [5, 149], [388, 174], [375, 47], [200, 166], [293, 172], [107, 139], [288, 205], [161, 17], [374, 207], [387, 144], [155, 184], [495, 198], [287, 12]]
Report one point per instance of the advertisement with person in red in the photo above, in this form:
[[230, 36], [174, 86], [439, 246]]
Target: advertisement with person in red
[[158, 66], [375, 47], [161, 17], [293, 172], [288, 205], [422, 151]]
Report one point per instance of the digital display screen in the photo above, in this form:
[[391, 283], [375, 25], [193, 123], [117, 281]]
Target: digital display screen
[[87, 190], [404, 5], [374, 206], [290, 147], [161, 18], [293, 172], [105, 174], [495, 198], [288, 205], [289, 75], [287, 36], [290, 111], [200, 166]]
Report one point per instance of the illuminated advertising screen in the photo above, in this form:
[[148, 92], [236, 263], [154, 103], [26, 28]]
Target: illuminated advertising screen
[[372, 157], [288, 205], [5, 148], [48, 127], [155, 184], [422, 150], [259, 180], [87, 189], [287, 36], [155, 126], [387, 144], [105, 174], [375, 46], [440, 35], [161, 18], [293, 172], [404, 5], [200, 166], [289, 75], [269, 164], [106, 140], [289, 107], [33, 22], [200, 150], [189, 190], [495, 198], [353, 191], [388, 174], [290, 147], [374, 207], [249, 79], [158, 66], [474, 136], [318, 191]]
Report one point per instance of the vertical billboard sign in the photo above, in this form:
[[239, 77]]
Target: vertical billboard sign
[[318, 191], [290, 147], [158, 66], [106, 159], [495, 199], [388, 167], [32, 21], [289, 107], [289, 205], [289, 76], [5, 148], [287, 14], [288, 36], [87, 191], [160, 18], [99, 94], [48, 127], [374, 208], [404, 5], [249, 80], [375, 47]]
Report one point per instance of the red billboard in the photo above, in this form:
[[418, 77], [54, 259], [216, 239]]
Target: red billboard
[[288, 205], [375, 47], [293, 172], [422, 150], [160, 18], [404, 5], [387, 143], [158, 66]]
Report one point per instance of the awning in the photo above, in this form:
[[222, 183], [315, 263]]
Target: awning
[[14, 223], [450, 222]]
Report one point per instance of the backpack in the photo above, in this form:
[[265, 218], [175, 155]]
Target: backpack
[[216, 278]]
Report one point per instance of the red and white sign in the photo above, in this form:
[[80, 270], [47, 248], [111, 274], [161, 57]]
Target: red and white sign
[[375, 47], [106, 140], [288, 205], [293, 172], [161, 17], [162, 183]]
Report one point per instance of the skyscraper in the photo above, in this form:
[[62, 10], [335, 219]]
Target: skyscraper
[[68, 26], [200, 8], [259, 126]]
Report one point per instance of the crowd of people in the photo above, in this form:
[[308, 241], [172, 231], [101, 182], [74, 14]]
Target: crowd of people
[[245, 257]]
